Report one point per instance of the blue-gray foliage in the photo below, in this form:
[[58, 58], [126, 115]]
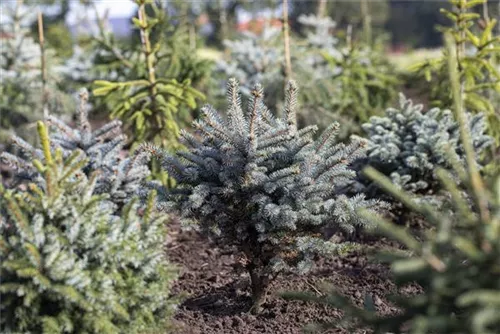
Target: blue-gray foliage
[[255, 59], [409, 145], [263, 186], [119, 176], [320, 40]]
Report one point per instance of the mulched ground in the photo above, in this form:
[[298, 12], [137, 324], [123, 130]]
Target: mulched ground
[[217, 299]]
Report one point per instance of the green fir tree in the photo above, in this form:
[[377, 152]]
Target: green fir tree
[[69, 265], [154, 92]]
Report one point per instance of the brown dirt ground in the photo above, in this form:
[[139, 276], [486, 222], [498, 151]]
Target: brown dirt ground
[[217, 297]]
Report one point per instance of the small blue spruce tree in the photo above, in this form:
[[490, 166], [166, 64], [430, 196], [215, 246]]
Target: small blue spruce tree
[[409, 145], [263, 186], [119, 176]]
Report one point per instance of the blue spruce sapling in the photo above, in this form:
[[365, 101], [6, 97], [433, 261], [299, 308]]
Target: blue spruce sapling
[[319, 39], [119, 176], [70, 265], [261, 185], [255, 59], [409, 145]]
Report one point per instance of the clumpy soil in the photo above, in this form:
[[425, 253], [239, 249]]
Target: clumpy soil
[[217, 297]]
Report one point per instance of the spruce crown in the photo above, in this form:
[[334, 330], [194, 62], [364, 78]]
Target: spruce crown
[[408, 144], [261, 184]]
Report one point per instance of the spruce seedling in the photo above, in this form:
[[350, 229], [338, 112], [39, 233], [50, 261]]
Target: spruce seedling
[[264, 187]]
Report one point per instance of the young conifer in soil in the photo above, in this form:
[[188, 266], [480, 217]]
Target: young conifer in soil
[[118, 175], [70, 265], [409, 145], [457, 263], [261, 185]]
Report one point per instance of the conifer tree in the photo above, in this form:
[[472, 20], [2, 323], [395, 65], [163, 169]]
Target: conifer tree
[[319, 37], [408, 145], [365, 80], [317, 76], [150, 99], [264, 187], [356, 79], [69, 265], [260, 58], [477, 49], [118, 176], [456, 263], [22, 95], [253, 59]]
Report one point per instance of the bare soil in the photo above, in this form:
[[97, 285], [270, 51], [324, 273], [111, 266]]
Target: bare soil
[[217, 297]]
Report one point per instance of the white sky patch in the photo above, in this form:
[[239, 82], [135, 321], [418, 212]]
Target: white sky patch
[[117, 8], [114, 8]]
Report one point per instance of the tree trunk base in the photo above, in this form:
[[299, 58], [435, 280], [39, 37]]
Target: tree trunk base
[[260, 285]]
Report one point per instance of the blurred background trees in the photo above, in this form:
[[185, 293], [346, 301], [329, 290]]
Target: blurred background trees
[[349, 68]]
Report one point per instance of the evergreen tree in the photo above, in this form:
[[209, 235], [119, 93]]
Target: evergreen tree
[[82, 69], [260, 58], [408, 145], [356, 81], [365, 81], [252, 59], [69, 265], [23, 94], [118, 176], [261, 185], [317, 76], [319, 37], [478, 51], [154, 92], [456, 263]]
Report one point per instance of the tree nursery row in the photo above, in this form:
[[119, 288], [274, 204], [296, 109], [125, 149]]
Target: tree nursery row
[[287, 174]]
